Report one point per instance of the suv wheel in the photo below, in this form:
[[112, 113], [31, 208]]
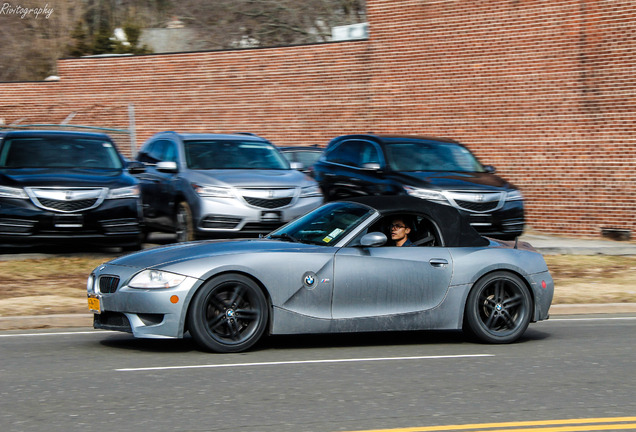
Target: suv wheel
[[184, 225]]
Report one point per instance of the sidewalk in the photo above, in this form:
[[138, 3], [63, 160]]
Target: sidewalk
[[554, 245], [545, 244]]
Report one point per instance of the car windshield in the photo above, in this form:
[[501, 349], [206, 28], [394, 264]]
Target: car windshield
[[325, 225], [431, 156], [59, 152], [233, 154]]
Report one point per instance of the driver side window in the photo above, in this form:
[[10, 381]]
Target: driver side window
[[422, 231]]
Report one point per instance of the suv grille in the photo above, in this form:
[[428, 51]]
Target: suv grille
[[268, 203], [108, 284], [67, 206], [69, 200], [477, 206]]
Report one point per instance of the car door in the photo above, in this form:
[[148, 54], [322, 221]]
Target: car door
[[157, 186], [384, 281]]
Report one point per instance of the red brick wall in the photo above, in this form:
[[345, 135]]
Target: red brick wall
[[543, 90]]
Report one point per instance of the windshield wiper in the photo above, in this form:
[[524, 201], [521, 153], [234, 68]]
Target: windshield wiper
[[285, 236]]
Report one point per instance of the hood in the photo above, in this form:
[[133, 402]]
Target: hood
[[67, 177], [251, 178], [165, 255], [452, 180]]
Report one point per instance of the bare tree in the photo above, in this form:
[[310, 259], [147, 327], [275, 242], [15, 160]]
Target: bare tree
[[234, 23], [33, 41]]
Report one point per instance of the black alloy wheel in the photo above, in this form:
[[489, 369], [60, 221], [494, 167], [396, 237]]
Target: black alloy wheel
[[228, 314], [498, 309]]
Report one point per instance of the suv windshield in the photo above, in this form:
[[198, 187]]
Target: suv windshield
[[325, 225], [59, 152], [233, 154], [431, 156]]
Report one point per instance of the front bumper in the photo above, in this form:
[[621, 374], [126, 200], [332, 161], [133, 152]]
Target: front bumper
[[146, 313], [116, 221], [505, 223], [232, 216]]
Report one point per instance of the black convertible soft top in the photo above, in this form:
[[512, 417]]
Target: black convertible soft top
[[455, 229]]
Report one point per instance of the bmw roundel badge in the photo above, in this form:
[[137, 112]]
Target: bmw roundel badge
[[309, 279]]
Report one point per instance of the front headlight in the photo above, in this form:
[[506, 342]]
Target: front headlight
[[90, 284], [10, 192], [125, 192], [514, 195], [427, 194], [310, 191], [213, 191], [155, 279]]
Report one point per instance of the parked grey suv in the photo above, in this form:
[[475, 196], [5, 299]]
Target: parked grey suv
[[218, 185]]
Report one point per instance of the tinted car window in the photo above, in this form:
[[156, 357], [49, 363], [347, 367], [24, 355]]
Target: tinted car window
[[354, 153], [232, 154], [307, 158], [63, 152], [429, 156], [160, 151]]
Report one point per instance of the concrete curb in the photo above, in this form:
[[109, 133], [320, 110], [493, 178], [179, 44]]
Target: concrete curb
[[86, 320]]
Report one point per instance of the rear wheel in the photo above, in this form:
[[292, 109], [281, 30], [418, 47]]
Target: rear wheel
[[228, 314], [184, 223], [498, 309]]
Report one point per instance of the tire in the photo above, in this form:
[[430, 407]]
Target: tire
[[183, 223], [498, 309], [228, 314]]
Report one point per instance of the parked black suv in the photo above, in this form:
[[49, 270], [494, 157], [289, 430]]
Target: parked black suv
[[57, 186], [436, 169]]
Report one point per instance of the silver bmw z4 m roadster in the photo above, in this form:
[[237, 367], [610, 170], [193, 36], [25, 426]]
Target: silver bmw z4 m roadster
[[336, 269]]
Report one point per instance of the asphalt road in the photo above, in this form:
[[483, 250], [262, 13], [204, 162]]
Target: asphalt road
[[566, 368]]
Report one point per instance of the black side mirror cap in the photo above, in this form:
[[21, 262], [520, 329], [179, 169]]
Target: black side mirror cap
[[136, 167]]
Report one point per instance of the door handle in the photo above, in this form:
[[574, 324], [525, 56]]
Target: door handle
[[438, 262]]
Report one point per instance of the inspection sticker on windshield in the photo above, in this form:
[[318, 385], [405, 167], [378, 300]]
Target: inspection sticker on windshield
[[333, 234]]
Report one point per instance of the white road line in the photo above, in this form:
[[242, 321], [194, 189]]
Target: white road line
[[590, 319], [301, 362], [56, 333]]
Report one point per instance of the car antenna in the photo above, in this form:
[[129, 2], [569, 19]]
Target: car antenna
[[516, 242]]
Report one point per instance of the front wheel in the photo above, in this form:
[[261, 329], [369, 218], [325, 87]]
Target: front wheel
[[184, 223], [498, 309], [228, 314]]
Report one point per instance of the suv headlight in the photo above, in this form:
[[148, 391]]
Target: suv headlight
[[310, 191], [514, 195], [10, 192], [213, 191], [426, 194], [125, 192], [155, 279]]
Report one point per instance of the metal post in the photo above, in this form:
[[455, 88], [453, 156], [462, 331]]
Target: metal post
[[131, 127]]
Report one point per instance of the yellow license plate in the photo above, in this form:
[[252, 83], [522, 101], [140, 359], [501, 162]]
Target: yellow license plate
[[93, 304]]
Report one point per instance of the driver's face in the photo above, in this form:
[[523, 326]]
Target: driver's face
[[399, 230]]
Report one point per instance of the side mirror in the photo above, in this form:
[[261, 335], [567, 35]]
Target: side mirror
[[167, 167], [373, 239], [135, 167], [490, 169], [296, 165]]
